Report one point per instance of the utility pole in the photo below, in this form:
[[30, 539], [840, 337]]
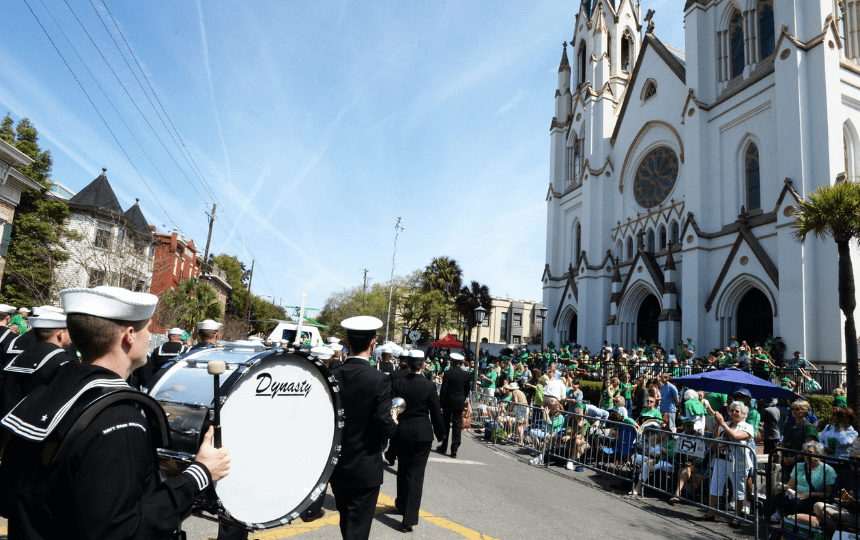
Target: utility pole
[[209, 238], [248, 299], [365, 281], [397, 228]]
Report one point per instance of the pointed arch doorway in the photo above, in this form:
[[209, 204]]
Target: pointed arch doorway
[[571, 331], [754, 318], [647, 326]]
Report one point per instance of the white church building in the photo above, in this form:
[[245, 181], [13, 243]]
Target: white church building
[[674, 175]]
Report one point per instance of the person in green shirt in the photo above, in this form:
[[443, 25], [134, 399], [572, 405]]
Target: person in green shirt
[[19, 320], [488, 380], [650, 411], [716, 401], [626, 391]]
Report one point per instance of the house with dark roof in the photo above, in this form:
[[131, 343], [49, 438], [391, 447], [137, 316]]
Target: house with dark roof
[[114, 246]]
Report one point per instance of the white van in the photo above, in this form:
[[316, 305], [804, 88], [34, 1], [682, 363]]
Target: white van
[[287, 330]]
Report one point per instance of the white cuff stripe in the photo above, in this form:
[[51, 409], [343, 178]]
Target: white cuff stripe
[[199, 476]]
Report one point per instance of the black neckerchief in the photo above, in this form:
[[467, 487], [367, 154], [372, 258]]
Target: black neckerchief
[[39, 413]]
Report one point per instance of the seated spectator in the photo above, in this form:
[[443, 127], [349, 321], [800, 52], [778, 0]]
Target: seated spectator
[[811, 481], [591, 411], [842, 513], [694, 409], [574, 396], [551, 429], [650, 411], [692, 467], [838, 436], [575, 440], [839, 399], [619, 406], [657, 455]]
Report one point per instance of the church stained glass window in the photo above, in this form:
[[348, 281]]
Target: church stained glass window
[[629, 248], [650, 240], [655, 177], [676, 233], [766, 28], [662, 238], [736, 33], [753, 180]]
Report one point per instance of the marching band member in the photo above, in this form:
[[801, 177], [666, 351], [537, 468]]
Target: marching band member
[[105, 485], [208, 331]]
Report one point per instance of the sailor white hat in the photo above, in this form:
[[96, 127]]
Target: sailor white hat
[[361, 325], [6, 308], [39, 310], [384, 349], [456, 356], [323, 353], [175, 332], [415, 353], [336, 347], [109, 303], [284, 341], [49, 320], [396, 353], [209, 324], [333, 340], [23, 310]]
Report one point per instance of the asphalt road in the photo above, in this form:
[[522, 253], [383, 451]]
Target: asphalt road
[[492, 493]]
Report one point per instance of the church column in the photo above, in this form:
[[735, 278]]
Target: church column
[[670, 317], [614, 330]]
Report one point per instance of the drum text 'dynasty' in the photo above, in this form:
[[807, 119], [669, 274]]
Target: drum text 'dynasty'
[[268, 387]]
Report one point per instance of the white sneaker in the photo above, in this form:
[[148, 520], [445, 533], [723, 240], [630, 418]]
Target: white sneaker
[[569, 466], [537, 460], [730, 505], [747, 509], [775, 517]]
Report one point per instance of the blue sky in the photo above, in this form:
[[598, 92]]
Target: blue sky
[[315, 124]]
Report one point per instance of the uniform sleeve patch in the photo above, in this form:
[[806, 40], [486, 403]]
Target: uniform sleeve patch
[[124, 426]]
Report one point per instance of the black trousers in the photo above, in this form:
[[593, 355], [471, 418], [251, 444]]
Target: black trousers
[[226, 532], [356, 507], [411, 462], [452, 419]]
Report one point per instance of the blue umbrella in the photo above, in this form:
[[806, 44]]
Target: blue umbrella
[[728, 381]]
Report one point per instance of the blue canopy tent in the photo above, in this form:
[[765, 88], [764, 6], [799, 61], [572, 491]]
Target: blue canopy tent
[[727, 381]]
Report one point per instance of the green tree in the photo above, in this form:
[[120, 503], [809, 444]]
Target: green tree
[[188, 304], [444, 275], [355, 301], [39, 227], [237, 276], [468, 300], [262, 314], [834, 211]]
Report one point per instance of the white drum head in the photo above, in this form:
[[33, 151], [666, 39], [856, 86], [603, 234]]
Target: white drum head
[[279, 424]]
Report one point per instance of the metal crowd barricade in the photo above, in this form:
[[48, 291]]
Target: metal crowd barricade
[[518, 424], [704, 465], [484, 408], [819, 517]]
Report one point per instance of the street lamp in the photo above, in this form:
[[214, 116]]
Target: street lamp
[[405, 333], [480, 313], [542, 311]]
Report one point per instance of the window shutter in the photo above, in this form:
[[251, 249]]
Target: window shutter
[[4, 244]]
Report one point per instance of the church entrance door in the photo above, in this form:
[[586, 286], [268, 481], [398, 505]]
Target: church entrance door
[[647, 327], [755, 318], [571, 331]]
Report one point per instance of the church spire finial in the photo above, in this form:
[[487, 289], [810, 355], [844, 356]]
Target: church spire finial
[[564, 65]]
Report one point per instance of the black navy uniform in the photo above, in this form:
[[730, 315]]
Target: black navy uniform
[[166, 352], [387, 367], [106, 486], [33, 367], [452, 396], [414, 438], [365, 395]]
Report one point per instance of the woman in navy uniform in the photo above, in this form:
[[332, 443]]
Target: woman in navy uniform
[[414, 436]]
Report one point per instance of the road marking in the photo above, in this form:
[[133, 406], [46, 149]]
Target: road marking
[[383, 504], [454, 461]]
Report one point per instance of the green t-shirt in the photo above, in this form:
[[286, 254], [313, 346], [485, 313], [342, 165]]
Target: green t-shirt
[[627, 390], [716, 400], [492, 375], [608, 394], [508, 397], [753, 419], [653, 414], [694, 407], [823, 475]]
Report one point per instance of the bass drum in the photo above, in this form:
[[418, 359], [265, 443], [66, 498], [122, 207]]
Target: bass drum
[[281, 419]]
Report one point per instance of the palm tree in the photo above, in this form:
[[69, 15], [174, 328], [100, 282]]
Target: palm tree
[[468, 300], [835, 211], [443, 274]]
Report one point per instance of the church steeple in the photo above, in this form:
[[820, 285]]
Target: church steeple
[[562, 95]]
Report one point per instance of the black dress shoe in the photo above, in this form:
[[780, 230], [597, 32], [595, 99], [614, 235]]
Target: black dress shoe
[[390, 458], [441, 449], [312, 517], [454, 455], [406, 528]]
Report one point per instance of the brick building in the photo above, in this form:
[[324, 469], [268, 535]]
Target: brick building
[[175, 260]]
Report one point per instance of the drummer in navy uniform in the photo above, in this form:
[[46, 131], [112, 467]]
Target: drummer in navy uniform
[[208, 331], [6, 334], [414, 436], [106, 483], [365, 395], [20, 343], [452, 396]]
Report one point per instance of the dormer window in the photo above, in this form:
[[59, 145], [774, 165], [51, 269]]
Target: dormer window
[[649, 90]]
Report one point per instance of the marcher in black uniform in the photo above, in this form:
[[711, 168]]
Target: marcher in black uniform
[[208, 331], [452, 396], [414, 436], [166, 352], [365, 395], [386, 363], [6, 334], [400, 370], [106, 485]]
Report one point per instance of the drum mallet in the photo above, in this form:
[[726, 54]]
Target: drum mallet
[[216, 368]]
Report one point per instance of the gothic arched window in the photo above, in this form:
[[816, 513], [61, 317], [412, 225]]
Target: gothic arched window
[[650, 240], [662, 237], [581, 62], [626, 52], [578, 244], [650, 91], [630, 248], [676, 233], [736, 37], [766, 28], [751, 167], [577, 161]]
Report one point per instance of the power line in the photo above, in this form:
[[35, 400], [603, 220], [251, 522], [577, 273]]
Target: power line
[[99, 113], [109, 100]]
